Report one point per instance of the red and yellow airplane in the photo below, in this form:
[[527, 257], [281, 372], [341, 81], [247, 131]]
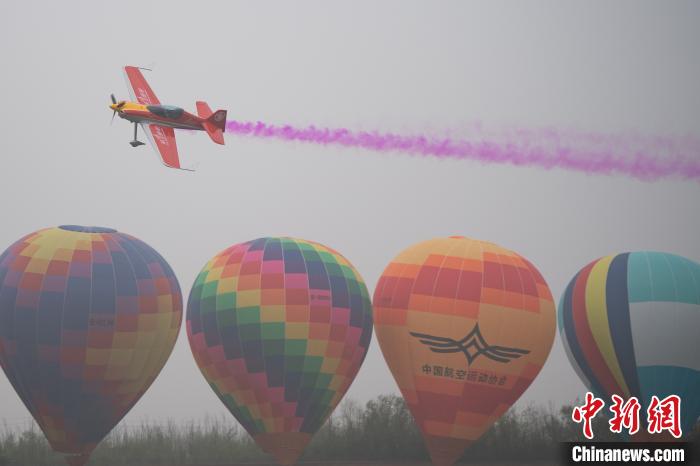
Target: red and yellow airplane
[[158, 121]]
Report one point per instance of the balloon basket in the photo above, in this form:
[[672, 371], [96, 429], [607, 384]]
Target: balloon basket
[[286, 447], [77, 460], [445, 451]]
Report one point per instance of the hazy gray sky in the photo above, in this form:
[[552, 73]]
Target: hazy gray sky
[[393, 66]]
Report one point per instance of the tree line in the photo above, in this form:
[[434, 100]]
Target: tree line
[[380, 430]]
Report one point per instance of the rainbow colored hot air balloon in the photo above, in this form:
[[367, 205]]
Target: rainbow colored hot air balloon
[[465, 327], [630, 322], [279, 327], [88, 317]]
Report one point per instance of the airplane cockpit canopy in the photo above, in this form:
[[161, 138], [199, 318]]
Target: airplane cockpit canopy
[[166, 111]]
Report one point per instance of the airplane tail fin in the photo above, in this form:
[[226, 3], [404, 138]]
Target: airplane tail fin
[[214, 123]]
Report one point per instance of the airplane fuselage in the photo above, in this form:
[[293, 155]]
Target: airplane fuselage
[[163, 115]]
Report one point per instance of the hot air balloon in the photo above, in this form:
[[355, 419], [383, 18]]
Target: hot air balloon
[[630, 322], [279, 328], [465, 326], [88, 317]]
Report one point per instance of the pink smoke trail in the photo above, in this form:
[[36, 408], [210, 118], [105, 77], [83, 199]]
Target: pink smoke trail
[[642, 157]]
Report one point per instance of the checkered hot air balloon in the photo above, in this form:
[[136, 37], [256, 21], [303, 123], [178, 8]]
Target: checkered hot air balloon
[[630, 322], [465, 327], [88, 317], [279, 328]]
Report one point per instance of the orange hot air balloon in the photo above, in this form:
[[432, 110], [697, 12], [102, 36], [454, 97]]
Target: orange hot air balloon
[[465, 327]]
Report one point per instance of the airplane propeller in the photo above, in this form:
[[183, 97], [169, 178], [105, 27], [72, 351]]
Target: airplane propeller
[[114, 101]]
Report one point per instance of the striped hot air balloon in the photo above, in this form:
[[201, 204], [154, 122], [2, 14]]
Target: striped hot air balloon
[[279, 328], [88, 317], [630, 323], [465, 327]]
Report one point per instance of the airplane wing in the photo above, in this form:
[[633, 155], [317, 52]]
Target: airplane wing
[[162, 139], [138, 87]]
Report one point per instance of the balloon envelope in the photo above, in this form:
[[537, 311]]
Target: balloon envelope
[[88, 317], [279, 328], [465, 327], [630, 322]]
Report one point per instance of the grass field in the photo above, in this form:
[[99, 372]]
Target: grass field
[[380, 433]]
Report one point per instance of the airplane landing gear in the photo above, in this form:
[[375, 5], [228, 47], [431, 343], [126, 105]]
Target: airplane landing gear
[[136, 142]]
